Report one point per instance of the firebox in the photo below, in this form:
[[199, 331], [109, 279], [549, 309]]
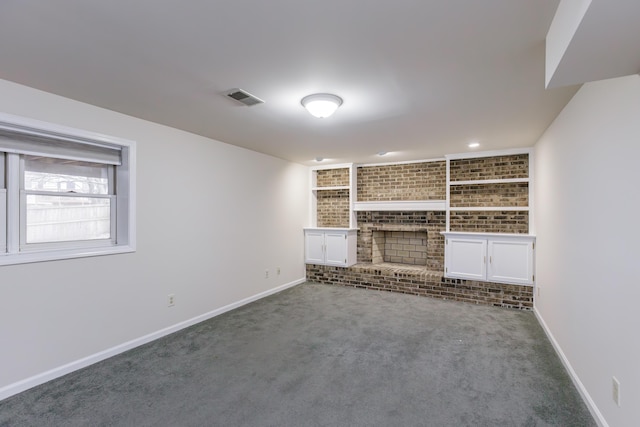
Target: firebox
[[399, 245]]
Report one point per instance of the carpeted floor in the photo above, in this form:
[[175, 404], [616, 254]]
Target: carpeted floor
[[321, 355]]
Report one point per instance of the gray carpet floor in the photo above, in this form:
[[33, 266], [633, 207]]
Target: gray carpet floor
[[322, 355]]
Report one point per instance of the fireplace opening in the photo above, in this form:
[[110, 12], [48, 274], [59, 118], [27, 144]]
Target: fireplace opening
[[408, 247]]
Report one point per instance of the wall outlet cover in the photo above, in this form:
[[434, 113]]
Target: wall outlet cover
[[616, 391]]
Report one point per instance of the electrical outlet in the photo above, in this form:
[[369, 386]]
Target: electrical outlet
[[278, 271], [171, 300], [266, 274], [616, 391]]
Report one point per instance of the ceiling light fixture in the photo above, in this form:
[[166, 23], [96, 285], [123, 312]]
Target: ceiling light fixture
[[321, 105], [382, 153], [319, 159], [474, 145]]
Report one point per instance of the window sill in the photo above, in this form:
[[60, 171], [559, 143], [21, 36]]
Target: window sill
[[29, 257]]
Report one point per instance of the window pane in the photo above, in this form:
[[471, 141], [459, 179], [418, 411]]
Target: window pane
[[63, 218], [65, 176]]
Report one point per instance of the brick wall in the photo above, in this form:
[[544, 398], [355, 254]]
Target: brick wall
[[387, 236], [490, 221], [515, 194], [424, 283], [433, 222], [333, 208], [332, 177], [512, 194], [414, 181], [499, 167]]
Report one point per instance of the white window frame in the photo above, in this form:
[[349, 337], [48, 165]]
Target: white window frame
[[12, 229], [3, 206]]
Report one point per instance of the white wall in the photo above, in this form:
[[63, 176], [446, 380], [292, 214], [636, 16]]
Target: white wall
[[211, 218], [587, 216]]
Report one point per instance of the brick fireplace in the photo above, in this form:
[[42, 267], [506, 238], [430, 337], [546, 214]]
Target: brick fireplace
[[377, 269], [403, 250], [399, 244], [409, 238]]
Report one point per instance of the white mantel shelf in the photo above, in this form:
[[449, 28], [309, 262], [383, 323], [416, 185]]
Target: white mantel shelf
[[330, 229], [414, 205]]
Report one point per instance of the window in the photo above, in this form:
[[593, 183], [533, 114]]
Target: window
[[65, 200], [64, 193]]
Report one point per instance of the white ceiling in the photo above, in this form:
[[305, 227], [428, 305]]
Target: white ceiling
[[420, 78]]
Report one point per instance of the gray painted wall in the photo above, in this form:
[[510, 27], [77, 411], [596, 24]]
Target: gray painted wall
[[211, 218], [588, 245]]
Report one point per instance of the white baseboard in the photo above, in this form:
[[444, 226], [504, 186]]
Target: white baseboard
[[595, 412], [43, 377]]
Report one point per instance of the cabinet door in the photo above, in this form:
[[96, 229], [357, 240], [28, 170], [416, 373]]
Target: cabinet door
[[510, 261], [336, 248], [466, 258], [314, 247]]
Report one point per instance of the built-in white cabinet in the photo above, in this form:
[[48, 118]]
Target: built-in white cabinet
[[330, 246], [492, 257]]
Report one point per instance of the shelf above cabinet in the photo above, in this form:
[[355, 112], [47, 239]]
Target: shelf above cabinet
[[337, 187], [474, 234], [489, 208]]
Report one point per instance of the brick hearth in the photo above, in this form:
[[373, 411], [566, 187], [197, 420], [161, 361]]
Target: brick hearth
[[419, 281]]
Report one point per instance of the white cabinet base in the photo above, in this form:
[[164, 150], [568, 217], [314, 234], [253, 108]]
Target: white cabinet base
[[331, 246], [491, 257]]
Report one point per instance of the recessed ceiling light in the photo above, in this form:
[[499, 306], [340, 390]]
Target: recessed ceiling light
[[321, 105], [474, 145]]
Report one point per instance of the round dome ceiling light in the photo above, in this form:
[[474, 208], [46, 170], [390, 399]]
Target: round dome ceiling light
[[321, 105]]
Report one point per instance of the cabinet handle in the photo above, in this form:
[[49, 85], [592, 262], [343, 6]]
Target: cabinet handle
[[490, 260]]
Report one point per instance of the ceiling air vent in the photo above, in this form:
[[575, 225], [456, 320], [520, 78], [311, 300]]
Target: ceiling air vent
[[244, 97]]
